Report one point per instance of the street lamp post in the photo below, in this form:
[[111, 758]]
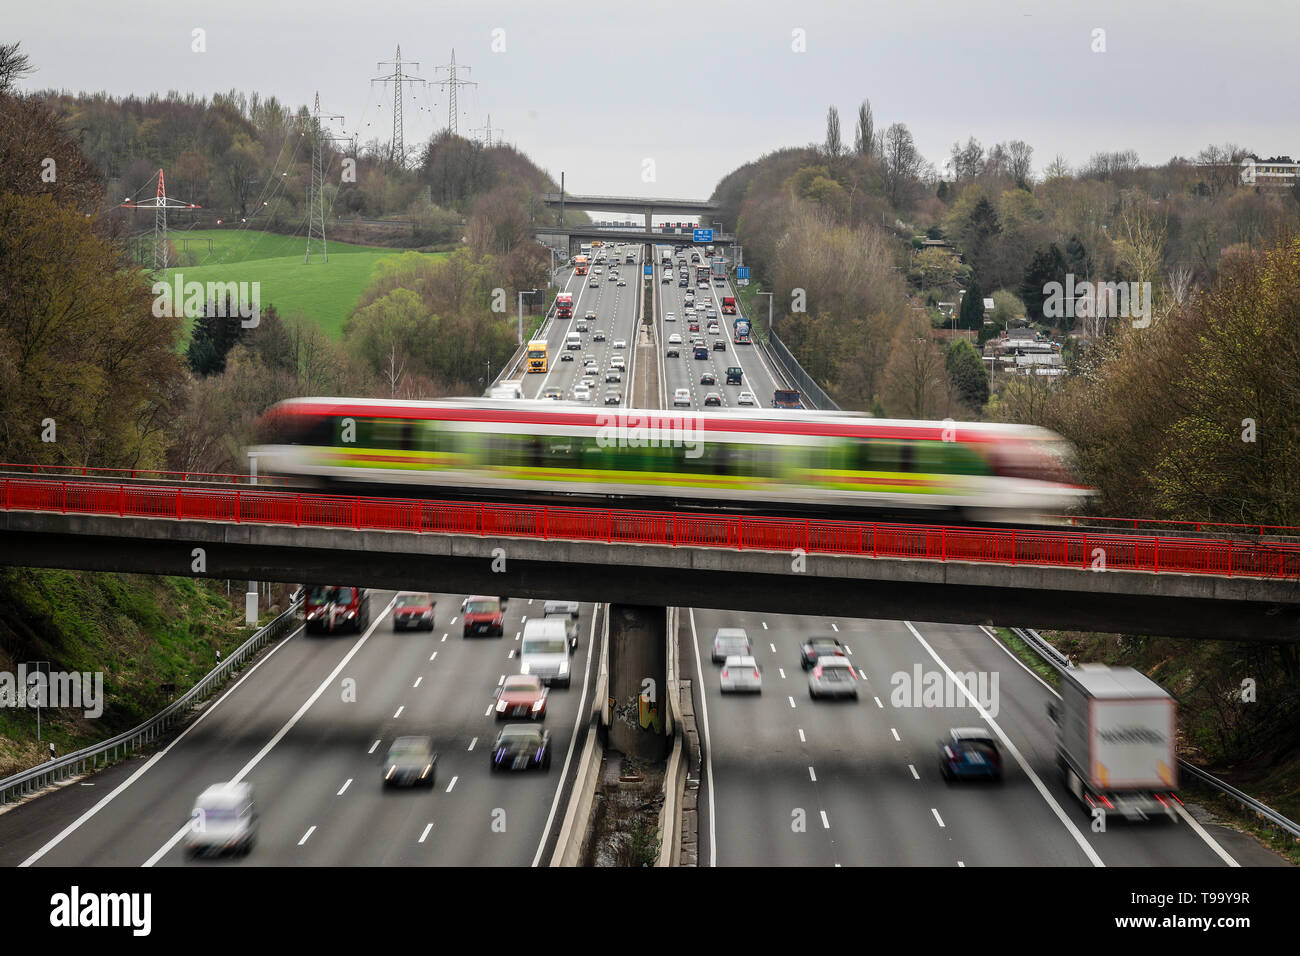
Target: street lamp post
[[771, 297]]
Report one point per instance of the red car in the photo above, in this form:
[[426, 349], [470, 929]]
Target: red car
[[522, 696], [484, 615], [414, 611], [329, 608]]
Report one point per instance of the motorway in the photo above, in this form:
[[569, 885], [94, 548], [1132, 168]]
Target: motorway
[[309, 726], [791, 781]]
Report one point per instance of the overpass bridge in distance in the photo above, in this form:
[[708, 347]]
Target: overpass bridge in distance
[[633, 205], [1205, 588], [630, 234]]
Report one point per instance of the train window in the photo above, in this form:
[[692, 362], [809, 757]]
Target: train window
[[948, 458], [906, 453]]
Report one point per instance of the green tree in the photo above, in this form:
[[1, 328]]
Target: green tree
[[971, 315], [966, 372], [1048, 265]]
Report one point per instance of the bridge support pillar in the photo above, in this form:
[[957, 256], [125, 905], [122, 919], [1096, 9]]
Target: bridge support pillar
[[649, 219], [638, 680]]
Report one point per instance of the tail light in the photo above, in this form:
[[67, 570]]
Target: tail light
[[1109, 805], [756, 673], [724, 672]]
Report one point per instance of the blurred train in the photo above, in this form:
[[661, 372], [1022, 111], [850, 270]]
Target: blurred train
[[749, 459]]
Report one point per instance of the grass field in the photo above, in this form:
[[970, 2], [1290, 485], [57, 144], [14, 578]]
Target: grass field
[[322, 291]]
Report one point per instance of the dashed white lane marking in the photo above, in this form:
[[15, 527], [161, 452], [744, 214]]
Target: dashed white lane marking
[[444, 638], [372, 747], [307, 834], [826, 824], [425, 834], [812, 774], [849, 650], [472, 743], [782, 670], [878, 703], [802, 740], [517, 633], [862, 673], [488, 712], [501, 680], [938, 819], [765, 625], [399, 712], [915, 775], [773, 646], [791, 700], [433, 656], [894, 731], [511, 655], [834, 628], [452, 784], [346, 783], [451, 622], [417, 683], [961, 864]]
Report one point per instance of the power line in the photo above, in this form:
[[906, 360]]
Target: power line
[[451, 83], [316, 198], [160, 204], [488, 131], [397, 151]]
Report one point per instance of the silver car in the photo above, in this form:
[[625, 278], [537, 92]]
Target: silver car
[[832, 676], [570, 608], [223, 819], [741, 674], [728, 641], [411, 762]]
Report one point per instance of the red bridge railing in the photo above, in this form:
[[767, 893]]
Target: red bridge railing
[[1031, 546]]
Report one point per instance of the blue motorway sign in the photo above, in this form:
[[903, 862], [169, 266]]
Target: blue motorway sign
[[742, 272], [703, 235], [649, 269]]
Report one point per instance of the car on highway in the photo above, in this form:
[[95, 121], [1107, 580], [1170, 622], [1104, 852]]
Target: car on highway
[[589, 379], [682, 396], [668, 277], [613, 375], [971, 752], [598, 336], [483, 615], [708, 378], [622, 282], [588, 358], [674, 352], [522, 695], [728, 641], [223, 819], [713, 329], [590, 316], [566, 356], [811, 650], [411, 762], [670, 316], [593, 282], [582, 393], [553, 394], [681, 283], [719, 345], [619, 363], [521, 747], [832, 676], [613, 398], [545, 649], [741, 674], [571, 608], [413, 610], [694, 326], [746, 398], [701, 352], [580, 326], [620, 343], [329, 608], [710, 313], [674, 339], [713, 398]]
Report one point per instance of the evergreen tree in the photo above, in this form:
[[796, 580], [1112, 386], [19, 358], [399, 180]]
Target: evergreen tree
[[971, 315], [1048, 265], [1078, 259], [213, 337], [966, 372]]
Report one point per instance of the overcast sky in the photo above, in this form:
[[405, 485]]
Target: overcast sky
[[597, 89]]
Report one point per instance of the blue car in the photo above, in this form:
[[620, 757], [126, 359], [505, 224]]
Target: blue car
[[971, 753]]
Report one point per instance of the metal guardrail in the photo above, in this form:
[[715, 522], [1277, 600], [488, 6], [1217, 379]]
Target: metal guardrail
[[1061, 663], [29, 781], [813, 394]]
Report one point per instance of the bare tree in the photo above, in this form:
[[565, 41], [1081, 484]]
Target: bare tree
[[903, 164], [1020, 156], [1058, 168], [14, 65], [864, 140], [1222, 166], [966, 162], [834, 144]]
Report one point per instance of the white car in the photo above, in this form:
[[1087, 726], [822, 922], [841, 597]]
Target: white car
[[832, 676], [741, 674], [746, 398], [223, 819], [545, 649], [620, 344], [619, 363], [582, 393], [682, 396], [670, 316], [570, 608], [674, 339], [729, 641]]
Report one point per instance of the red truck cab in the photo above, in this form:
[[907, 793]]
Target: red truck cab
[[484, 615], [329, 608]]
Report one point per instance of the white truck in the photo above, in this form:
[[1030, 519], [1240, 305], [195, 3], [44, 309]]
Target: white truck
[[510, 388], [1116, 733]]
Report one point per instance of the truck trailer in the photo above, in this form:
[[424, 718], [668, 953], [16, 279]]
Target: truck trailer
[[1116, 732]]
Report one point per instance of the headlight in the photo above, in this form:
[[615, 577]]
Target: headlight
[[501, 705], [427, 614], [537, 704], [524, 669], [564, 667], [352, 614]]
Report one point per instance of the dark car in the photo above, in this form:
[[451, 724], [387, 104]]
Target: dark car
[[484, 615], [414, 611], [719, 346], [734, 374], [816, 647], [708, 378], [522, 747], [970, 753], [411, 762], [713, 398], [701, 352], [566, 356], [674, 352]]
